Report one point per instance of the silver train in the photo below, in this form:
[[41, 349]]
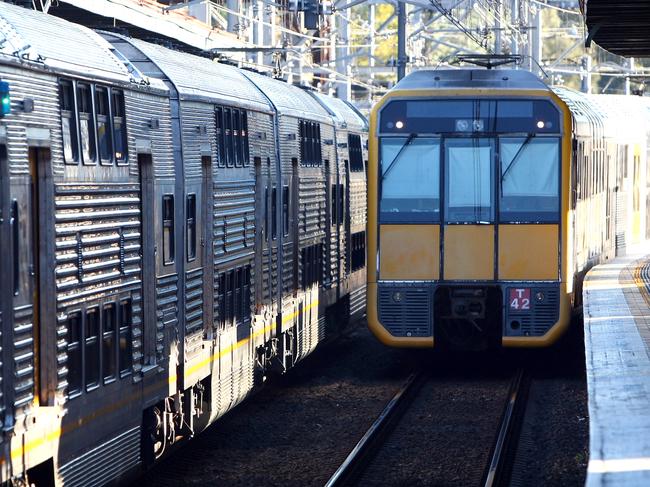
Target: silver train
[[172, 231]]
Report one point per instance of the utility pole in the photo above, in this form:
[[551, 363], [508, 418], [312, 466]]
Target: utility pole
[[342, 36], [401, 40], [497, 27], [585, 75]]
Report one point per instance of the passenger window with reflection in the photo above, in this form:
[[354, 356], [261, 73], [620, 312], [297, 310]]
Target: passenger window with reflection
[[410, 179], [529, 182], [469, 169]]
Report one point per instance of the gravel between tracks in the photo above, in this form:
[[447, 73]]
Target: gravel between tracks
[[298, 429]]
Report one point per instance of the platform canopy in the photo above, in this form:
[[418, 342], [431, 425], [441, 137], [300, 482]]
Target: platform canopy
[[619, 26]]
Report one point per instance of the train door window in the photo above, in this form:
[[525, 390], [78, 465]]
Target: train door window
[[86, 123], [68, 122], [168, 228], [104, 140], [303, 147], [356, 155], [274, 213], [91, 348], [74, 364], [221, 139], [109, 342], [244, 135], [239, 148], [119, 127], [14, 224], [228, 299], [228, 136], [285, 210], [469, 172], [266, 212], [237, 296], [246, 294], [221, 303], [190, 213], [358, 250], [125, 354]]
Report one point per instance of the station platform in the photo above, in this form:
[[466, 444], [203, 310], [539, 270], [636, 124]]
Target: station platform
[[617, 351]]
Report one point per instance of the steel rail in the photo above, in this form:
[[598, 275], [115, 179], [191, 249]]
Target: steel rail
[[508, 422], [365, 445]]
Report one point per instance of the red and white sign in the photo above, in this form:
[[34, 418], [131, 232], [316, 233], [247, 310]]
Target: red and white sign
[[519, 298]]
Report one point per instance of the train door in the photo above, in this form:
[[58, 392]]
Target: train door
[[6, 271], [330, 229], [636, 194], [205, 244], [347, 222], [145, 167], [620, 216], [41, 268], [262, 257], [468, 212]]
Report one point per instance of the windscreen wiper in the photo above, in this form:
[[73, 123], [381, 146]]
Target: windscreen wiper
[[410, 139], [529, 137]]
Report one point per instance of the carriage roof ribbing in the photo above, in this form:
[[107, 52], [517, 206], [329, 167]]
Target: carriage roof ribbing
[[198, 76], [427, 79], [343, 113], [58, 44], [289, 99]]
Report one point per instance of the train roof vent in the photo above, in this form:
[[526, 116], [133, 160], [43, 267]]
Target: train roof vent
[[471, 78]]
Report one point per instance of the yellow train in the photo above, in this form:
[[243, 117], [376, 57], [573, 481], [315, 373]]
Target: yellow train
[[489, 196]]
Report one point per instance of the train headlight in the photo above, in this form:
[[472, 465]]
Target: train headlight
[[539, 296], [462, 125], [541, 124], [399, 124]]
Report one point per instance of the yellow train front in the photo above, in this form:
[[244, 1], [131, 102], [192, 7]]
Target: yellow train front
[[468, 211]]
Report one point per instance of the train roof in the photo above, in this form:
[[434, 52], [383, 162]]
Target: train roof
[[342, 112], [428, 79], [289, 99], [197, 76], [57, 44]]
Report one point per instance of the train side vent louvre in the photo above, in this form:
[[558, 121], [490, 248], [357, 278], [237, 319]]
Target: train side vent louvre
[[545, 314], [106, 462], [411, 316]]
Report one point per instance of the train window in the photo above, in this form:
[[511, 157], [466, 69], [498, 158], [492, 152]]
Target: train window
[[190, 209], [14, 223], [109, 342], [168, 228], [86, 123], [125, 337], [237, 138], [91, 348], [104, 140], [312, 265], [356, 154], [119, 127], [358, 251], [469, 176], [410, 181], [266, 212], [530, 179], [228, 135], [310, 143], [285, 210], [74, 353], [244, 125], [274, 213], [221, 139], [68, 122], [472, 116]]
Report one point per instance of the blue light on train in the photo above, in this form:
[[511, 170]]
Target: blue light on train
[[5, 100]]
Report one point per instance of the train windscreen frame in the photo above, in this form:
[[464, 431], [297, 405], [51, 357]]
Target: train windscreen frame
[[525, 144]]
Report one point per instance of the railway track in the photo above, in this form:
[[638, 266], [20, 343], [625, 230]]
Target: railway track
[[502, 450]]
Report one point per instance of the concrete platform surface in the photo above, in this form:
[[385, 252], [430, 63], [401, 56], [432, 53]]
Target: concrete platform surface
[[617, 352]]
